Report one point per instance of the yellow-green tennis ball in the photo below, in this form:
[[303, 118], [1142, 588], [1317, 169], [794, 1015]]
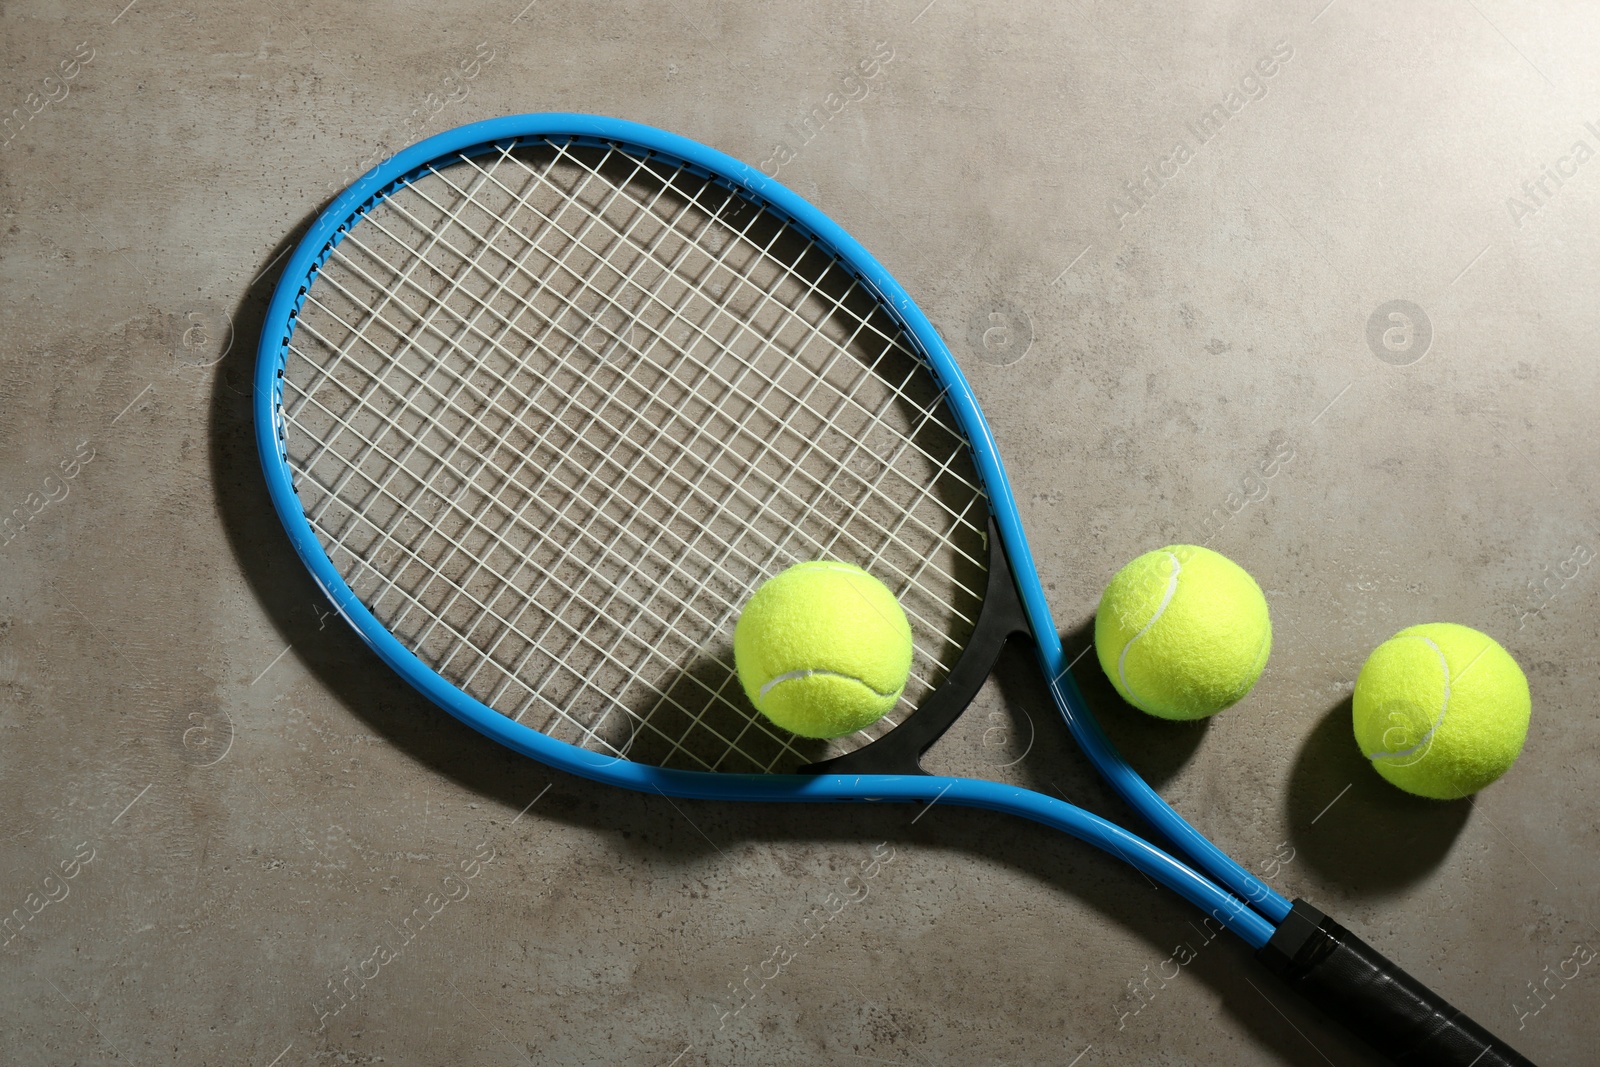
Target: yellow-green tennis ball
[[823, 649], [1441, 710], [1182, 632]]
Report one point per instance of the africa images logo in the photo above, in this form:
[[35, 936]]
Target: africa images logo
[[1539, 191], [854, 86], [1138, 191]]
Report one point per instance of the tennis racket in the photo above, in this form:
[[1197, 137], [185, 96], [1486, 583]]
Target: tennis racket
[[541, 400]]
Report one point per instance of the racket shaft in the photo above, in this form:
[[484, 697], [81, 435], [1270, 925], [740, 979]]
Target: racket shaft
[[1086, 729], [1114, 840], [1146, 801]]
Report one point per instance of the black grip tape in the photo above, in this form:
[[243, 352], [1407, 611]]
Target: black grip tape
[[1392, 1011]]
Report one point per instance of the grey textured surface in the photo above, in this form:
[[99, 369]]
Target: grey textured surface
[[248, 804]]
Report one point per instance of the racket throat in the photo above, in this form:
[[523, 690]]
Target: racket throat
[[900, 750]]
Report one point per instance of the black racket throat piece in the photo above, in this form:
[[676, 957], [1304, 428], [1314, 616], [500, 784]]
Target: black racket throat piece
[[999, 619]]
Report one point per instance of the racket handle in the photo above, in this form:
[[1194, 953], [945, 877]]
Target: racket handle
[[1393, 1012]]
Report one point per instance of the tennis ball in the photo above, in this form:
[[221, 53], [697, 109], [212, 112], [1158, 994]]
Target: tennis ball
[[1441, 710], [1182, 632], [823, 649]]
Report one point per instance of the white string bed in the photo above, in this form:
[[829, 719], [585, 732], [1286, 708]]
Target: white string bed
[[555, 411]]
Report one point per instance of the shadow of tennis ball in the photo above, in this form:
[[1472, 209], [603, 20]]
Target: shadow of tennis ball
[[701, 720], [1399, 332], [1373, 837]]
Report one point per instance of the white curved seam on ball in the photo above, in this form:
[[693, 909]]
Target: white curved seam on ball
[[790, 676], [1172, 589], [1427, 738]]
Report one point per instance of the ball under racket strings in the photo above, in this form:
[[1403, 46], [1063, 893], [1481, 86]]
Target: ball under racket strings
[[542, 400]]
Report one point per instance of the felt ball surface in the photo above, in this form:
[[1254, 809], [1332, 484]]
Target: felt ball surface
[[823, 649], [1182, 632], [1441, 710]]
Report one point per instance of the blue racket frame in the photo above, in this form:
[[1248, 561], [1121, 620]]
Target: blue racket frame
[[1226, 905]]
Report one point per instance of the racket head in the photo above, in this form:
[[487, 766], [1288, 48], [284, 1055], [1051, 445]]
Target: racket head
[[694, 174]]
